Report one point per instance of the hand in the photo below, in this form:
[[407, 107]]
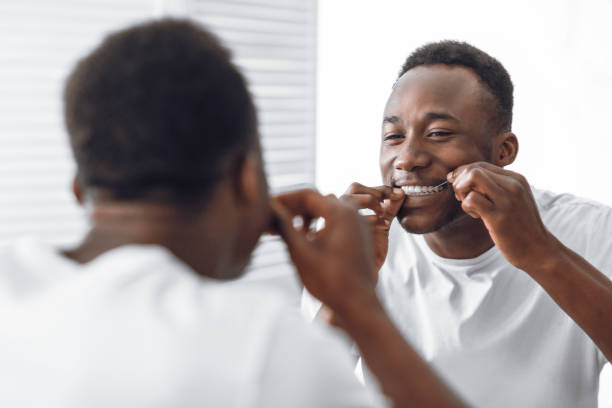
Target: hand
[[385, 201], [504, 202], [335, 263]]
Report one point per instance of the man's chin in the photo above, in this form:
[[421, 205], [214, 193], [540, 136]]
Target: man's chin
[[425, 225], [413, 227]]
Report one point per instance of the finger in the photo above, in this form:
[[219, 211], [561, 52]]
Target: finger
[[452, 175], [511, 184], [392, 207], [379, 192], [477, 179], [296, 241], [391, 193], [356, 188], [486, 165], [293, 203], [306, 203], [361, 201], [477, 205], [461, 170], [497, 169], [371, 219], [510, 181]]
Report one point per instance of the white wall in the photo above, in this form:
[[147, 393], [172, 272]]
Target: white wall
[[557, 52]]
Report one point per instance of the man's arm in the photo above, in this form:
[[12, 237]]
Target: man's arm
[[581, 290], [503, 200], [336, 265]]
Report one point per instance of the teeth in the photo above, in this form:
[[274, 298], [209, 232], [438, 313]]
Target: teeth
[[424, 190]]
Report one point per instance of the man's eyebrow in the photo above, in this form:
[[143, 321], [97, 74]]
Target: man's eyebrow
[[440, 115], [429, 116], [391, 119]]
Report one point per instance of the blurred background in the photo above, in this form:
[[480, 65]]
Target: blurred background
[[320, 73]]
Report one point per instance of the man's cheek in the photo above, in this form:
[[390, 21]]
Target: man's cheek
[[386, 171]]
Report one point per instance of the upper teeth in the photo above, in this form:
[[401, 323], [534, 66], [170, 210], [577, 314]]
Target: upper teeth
[[422, 190]]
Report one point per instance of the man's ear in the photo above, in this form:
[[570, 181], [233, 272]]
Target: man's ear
[[77, 191], [505, 149], [249, 178]]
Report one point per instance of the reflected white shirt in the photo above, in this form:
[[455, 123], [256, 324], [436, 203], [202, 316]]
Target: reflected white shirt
[[489, 329]]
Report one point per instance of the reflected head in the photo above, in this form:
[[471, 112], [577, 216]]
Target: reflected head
[[490, 72], [158, 107]]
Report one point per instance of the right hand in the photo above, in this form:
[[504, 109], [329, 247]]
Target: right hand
[[385, 201], [335, 263]]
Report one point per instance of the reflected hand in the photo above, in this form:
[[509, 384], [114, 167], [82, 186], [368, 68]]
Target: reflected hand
[[385, 201], [504, 202]]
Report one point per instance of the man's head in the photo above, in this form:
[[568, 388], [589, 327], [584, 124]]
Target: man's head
[[451, 105], [158, 113], [489, 71]]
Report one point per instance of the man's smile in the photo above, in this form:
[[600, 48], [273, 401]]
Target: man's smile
[[425, 189]]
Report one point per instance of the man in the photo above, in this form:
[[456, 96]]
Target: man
[[163, 131], [489, 279]]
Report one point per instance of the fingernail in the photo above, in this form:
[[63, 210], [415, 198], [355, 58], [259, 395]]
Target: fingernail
[[398, 192], [450, 177]]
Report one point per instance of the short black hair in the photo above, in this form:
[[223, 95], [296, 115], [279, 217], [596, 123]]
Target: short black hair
[[157, 106], [489, 70]]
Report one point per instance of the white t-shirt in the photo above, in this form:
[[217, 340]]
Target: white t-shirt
[[489, 329], [137, 328]]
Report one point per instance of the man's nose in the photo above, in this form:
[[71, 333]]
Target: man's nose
[[412, 156]]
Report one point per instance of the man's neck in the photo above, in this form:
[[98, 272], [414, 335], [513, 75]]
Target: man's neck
[[118, 224], [462, 238]]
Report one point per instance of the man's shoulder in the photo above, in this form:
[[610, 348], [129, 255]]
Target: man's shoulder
[[582, 224], [550, 201], [24, 266], [564, 211]]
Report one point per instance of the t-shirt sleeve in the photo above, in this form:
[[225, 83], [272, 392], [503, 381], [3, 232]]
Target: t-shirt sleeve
[[599, 250], [586, 227], [308, 366]]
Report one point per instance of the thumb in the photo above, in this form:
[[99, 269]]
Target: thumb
[[391, 208], [295, 240]]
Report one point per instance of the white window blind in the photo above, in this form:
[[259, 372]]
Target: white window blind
[[40, 42], [273, 42]]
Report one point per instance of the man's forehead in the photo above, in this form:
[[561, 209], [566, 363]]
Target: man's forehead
[[437, 86]]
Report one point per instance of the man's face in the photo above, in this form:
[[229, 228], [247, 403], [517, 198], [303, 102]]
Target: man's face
[[437, 118]]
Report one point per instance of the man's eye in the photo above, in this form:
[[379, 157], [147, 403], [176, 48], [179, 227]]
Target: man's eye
[[393, 137], [439, 133]]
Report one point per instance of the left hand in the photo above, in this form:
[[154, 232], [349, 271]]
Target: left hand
[[504, 202]]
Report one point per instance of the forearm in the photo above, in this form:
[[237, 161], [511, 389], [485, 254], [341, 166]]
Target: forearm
[[403, 375], [583, 292]]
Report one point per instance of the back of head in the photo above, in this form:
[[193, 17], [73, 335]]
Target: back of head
[[490, 72], [157, 107]]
